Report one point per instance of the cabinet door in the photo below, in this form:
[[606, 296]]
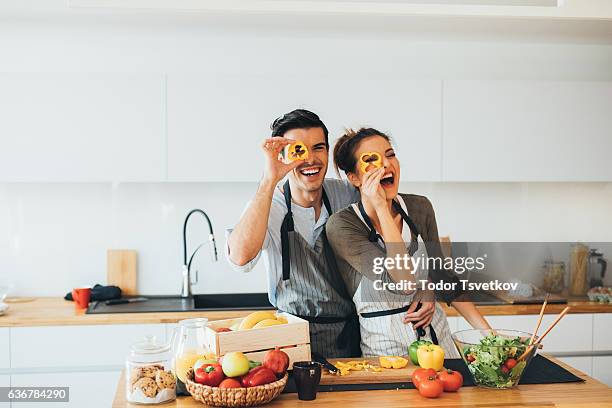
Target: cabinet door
[[527, 131], [77, 346], [602, 369], [573, 333], [602, 332], [95, 389], [5, 350], [82, 127], [216, 125]]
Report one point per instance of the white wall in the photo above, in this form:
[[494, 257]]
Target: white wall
[[54, 236]]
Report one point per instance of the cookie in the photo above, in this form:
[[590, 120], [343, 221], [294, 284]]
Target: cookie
[[150, 370], [165, 379], [147, 386]]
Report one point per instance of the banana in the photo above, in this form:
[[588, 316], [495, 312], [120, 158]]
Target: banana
[[267, 322], [254, 318]]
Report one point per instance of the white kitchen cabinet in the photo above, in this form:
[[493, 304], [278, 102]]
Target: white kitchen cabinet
[[82, 127], [77, 346], [602, 332], [582, 363], [573, 333], [602, 369], [216, 125], [95, 389], [5, 350], [526, 131]]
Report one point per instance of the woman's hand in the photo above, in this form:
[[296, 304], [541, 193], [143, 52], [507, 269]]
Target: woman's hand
[[371, 190], [275, 169]]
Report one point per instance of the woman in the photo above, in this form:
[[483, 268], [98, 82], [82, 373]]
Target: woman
[[385, 224]]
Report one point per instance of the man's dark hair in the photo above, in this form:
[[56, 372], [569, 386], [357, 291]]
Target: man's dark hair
[[298, 119]]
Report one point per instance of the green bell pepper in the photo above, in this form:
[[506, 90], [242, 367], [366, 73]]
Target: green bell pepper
[[412, 350]]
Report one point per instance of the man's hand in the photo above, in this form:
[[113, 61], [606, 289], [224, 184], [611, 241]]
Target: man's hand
[[421, 318], [275, 169]]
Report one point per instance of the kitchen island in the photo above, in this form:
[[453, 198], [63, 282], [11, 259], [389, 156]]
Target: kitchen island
[[590, 393]]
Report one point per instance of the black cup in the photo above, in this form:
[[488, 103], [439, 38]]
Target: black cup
[[307, 375]]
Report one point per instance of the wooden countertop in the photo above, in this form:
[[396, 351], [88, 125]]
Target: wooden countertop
[[591, 393], [55, 311]]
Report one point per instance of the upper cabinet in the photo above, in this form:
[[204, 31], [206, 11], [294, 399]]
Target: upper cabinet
[[216, 125], [82, 127], [527, 131]]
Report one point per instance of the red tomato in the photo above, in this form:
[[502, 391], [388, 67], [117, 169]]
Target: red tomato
[[505, 369], [431, 387], [421, 374], [470, 358], [452, 380], [230, 383], [510, 363], [223, 330]]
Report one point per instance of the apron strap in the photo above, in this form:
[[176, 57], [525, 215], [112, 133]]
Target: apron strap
[[286, 227], [420, 331]]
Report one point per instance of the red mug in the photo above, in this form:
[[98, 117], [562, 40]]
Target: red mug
[[81, 297]]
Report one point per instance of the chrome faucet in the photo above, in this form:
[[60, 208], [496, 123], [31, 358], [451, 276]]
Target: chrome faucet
[[186, 282]]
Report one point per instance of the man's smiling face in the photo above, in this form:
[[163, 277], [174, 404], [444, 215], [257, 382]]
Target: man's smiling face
[[310, 174]]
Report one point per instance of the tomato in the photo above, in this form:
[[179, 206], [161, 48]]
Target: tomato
[[452, 380], [470, 358], [421, 374], [431, 387], [505, 369], [510, 363], [223, 330], [230, 383]]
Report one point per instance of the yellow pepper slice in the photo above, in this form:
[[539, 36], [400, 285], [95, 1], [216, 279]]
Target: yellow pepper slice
[[393, 362], [297, 151], [369, 159], [431, 356]]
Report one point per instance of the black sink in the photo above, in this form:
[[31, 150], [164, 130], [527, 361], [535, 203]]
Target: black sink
[[208, 302]]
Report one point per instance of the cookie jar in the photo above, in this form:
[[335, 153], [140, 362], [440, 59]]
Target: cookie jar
[[149, 374]]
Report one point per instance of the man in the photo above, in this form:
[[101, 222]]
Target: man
[[286, 224]]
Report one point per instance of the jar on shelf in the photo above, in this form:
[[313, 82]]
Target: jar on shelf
[[553, 274], [150, 377]]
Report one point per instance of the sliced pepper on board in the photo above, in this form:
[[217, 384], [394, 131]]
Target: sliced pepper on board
[[392, 362]]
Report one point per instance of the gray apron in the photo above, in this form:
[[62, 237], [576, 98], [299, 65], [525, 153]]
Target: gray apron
[[313, 289]]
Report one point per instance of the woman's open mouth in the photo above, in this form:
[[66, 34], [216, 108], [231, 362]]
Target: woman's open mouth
[[387, 180], [310, 171]]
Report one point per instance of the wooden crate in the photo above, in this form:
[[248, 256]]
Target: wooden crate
[[293, 338]]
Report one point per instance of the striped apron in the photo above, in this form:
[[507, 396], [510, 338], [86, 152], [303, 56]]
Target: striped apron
[[313, 289], [381, 313]]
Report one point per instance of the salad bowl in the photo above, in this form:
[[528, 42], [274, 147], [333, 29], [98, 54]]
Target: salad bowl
[[495, 358]]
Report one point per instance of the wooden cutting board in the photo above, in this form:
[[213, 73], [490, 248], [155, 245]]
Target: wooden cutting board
[[121, 270], [388, 375]]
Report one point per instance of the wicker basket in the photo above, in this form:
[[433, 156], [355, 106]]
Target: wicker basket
[[235, 397]]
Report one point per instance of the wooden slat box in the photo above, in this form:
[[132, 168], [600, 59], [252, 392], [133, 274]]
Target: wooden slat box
[[293, 338]]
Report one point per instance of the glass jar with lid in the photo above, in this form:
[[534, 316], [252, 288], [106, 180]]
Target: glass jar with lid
[[553, 274], [150, 378], [190, 345]]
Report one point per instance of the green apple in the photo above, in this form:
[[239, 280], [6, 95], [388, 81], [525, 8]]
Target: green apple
[[199, 363], [235, 364]]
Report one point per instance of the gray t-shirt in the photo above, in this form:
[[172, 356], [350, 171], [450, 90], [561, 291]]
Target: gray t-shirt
[[348, 236], [340, 193]]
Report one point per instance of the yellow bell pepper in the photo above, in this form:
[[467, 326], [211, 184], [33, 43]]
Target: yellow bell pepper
[[393, 362], [431, 356], [370, 158], [297, 151]]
